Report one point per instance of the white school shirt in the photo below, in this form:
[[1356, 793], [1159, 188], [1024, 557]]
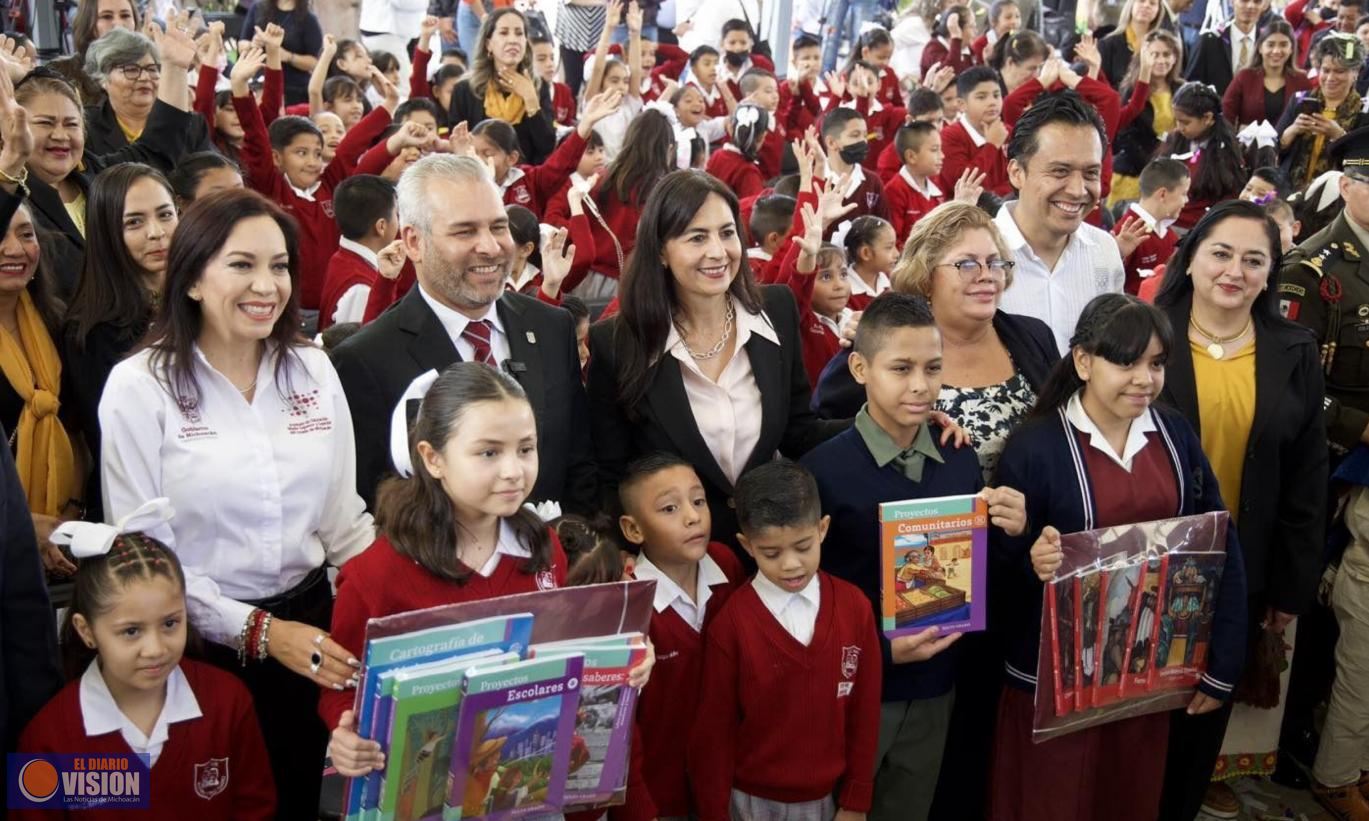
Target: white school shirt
[[671, 595], [508, 545], [455, 324], [797, 612], [929, 190], [975, 137], [352, 306], [101, 715], [727, 412], [1090, 265], [860, 287], [1136, 435], [613, 128], [264, 493]]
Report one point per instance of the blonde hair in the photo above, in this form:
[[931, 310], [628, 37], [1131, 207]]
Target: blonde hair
[[933, 236]]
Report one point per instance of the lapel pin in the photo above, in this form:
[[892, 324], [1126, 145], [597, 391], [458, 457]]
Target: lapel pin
[[532, 338]]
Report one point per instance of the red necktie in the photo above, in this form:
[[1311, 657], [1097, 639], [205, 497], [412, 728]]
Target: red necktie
[[478, 334]]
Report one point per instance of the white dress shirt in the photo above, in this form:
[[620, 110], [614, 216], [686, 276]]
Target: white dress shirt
[[264, 493], [508, 545], [930, 190], [1237, 37], [352, 306], [975, 137], [455, 323], [101, 715], [671, 595], [726, 412], [797, 612], [859, 287], [1136, 435], [1090, 265]]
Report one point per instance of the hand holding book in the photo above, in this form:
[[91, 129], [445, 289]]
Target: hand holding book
[[353, 756], [1007, 509], [1046, 554]]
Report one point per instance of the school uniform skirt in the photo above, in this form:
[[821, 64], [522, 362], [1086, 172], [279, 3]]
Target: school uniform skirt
[[1114, 771], [286, 702]]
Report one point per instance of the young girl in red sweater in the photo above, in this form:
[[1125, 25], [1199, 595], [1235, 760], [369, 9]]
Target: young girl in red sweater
[[816, 273], [736, 162], [453, 528], [872, 249], [131, 692]]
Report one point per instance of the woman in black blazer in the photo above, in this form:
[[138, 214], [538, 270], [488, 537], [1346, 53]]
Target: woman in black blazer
[[1138, 18], [694, 345], [1250, 382], [502, 86]]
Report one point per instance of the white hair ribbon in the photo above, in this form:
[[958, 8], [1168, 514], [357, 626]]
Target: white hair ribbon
[[399, 423], [746, 115], [869, 26], [839, 235], [1261, 134], [88, 539], [547, 510]]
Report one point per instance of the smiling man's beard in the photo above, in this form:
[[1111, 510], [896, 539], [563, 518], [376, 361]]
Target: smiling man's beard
[[450, 282]]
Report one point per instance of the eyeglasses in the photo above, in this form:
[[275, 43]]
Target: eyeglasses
[[970, 269], [134, 72]]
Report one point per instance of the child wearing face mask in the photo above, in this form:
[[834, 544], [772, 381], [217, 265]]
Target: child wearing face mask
[[846, 145], [452, 526], [132, 692], [737, 58]]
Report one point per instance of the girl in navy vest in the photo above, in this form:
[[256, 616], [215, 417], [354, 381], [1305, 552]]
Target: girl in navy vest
[[131, 692], [1097, 453]]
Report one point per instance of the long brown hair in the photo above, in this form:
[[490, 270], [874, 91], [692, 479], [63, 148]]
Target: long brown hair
[[647, 290], [1171, 41], [648, 155], [204, 229], [83, 27], [415, 513], [482, 64], [1277, 28]]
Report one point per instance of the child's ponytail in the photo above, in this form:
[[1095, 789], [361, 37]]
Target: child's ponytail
[[750, 123], [1221, 170]]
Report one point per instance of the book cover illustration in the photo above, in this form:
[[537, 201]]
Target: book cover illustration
[[603, 720], [934, 564], [513, 739], [1121, 586], [502, 633], [422, 712], [1141, 639], [1060, 613], [1185, 622]]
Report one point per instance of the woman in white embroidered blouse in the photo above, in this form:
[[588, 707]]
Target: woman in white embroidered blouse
[[244, 426]]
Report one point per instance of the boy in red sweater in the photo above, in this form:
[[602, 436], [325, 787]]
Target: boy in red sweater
[[703, 75], [788, 716], [976, 138], [665, 515], [846, 144], [286, 164], [912, 192], [1144, 235], [366, 216]]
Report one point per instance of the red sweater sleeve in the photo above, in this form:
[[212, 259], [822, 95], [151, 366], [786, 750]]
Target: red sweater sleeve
[[862, 739], [386, 292], [548, 177], [1104, 98], [959, 152], [376, 160], [204, 95], [357, 141], [713, 744], [800, 283], [418, 75], [272, 94], [1140, 93], [254, 790], [255, 155], [1294, 13], [1021, 97]]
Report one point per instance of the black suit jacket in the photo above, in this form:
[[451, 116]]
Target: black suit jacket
[[1116, 54], [377, 364], [1211, 60], [1029, 341], [664, 421], [104, 137], [1282, 509]]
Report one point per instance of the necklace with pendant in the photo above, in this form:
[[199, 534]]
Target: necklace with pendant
[[1216, 344]]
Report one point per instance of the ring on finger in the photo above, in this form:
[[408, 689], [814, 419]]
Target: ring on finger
[[315, 662], [318, 640]]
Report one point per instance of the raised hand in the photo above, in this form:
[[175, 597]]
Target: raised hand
[[810, 241], [557, 256], [1050, 72], [953, 26], [613, 15], [460, 140], [386, 88], [177, 47], [940, 77], [15, 60], [807, 161], [1131, 236], [390, 260], [1087, 50], [426, 28], [831, 206], [1046, 554], [209, 45], [1069, 76], [598, 107], [14, 130], [634, 18], [329, 50], [835, 84], [249, 63], [970, 186]]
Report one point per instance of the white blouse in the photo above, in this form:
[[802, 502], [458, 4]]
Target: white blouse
[[264, 493]]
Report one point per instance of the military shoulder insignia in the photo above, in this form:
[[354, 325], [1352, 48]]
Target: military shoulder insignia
[[1349, 251], [1292, 290]]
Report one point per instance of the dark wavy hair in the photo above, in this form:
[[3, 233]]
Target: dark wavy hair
[[204, 230], [415, 513], [1221, 169], [1115, 327], [111, 289], [1178, 285], [646, 293], [648, 154]]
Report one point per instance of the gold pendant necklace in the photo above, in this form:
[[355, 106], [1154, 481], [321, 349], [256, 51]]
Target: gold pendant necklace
[[1216, 344]]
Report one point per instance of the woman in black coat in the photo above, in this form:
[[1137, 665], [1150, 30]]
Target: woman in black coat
[[501, 86], [699, 361], [1250, 383]]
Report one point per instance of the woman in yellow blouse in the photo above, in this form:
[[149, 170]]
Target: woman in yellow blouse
[[1250, 383]]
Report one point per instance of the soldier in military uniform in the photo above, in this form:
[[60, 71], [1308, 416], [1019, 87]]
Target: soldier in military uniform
[[1324, 285]]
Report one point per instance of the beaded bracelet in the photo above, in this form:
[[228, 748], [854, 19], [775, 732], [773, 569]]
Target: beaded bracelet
[[20, 182], [246, 635], [264, 639]]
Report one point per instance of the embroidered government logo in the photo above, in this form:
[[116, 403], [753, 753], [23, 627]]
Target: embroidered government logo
[[78, 781]]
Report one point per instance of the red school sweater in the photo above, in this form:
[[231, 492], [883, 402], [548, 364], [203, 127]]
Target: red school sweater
[[540, 182], [669, 703], [737, 172], [880, 126], [959, 152], [782, 721], [562, 104], [620, 217], [868, 199], [345, 270], [820, 342], [318, 232], [226, 732], [1153, 252], [381, 582], [907, 205]]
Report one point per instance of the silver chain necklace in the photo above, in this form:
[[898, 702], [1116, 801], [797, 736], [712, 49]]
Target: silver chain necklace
[[728, 321]]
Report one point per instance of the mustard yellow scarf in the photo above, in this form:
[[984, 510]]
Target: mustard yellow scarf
[[501, 106], [47, 467]]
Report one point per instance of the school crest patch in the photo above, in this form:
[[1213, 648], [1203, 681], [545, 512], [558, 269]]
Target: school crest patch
[[522, 195], [545, 580], [211, 778], [870, 199], [850, 660]]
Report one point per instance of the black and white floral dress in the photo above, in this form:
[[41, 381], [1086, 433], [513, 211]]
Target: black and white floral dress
[[988, 415]]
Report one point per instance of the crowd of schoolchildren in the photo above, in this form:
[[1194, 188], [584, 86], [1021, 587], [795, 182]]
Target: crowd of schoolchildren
[[705, 240]]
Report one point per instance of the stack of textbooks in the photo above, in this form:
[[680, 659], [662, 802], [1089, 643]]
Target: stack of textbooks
[[478, 722], [934, 564], [1127, 621]]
